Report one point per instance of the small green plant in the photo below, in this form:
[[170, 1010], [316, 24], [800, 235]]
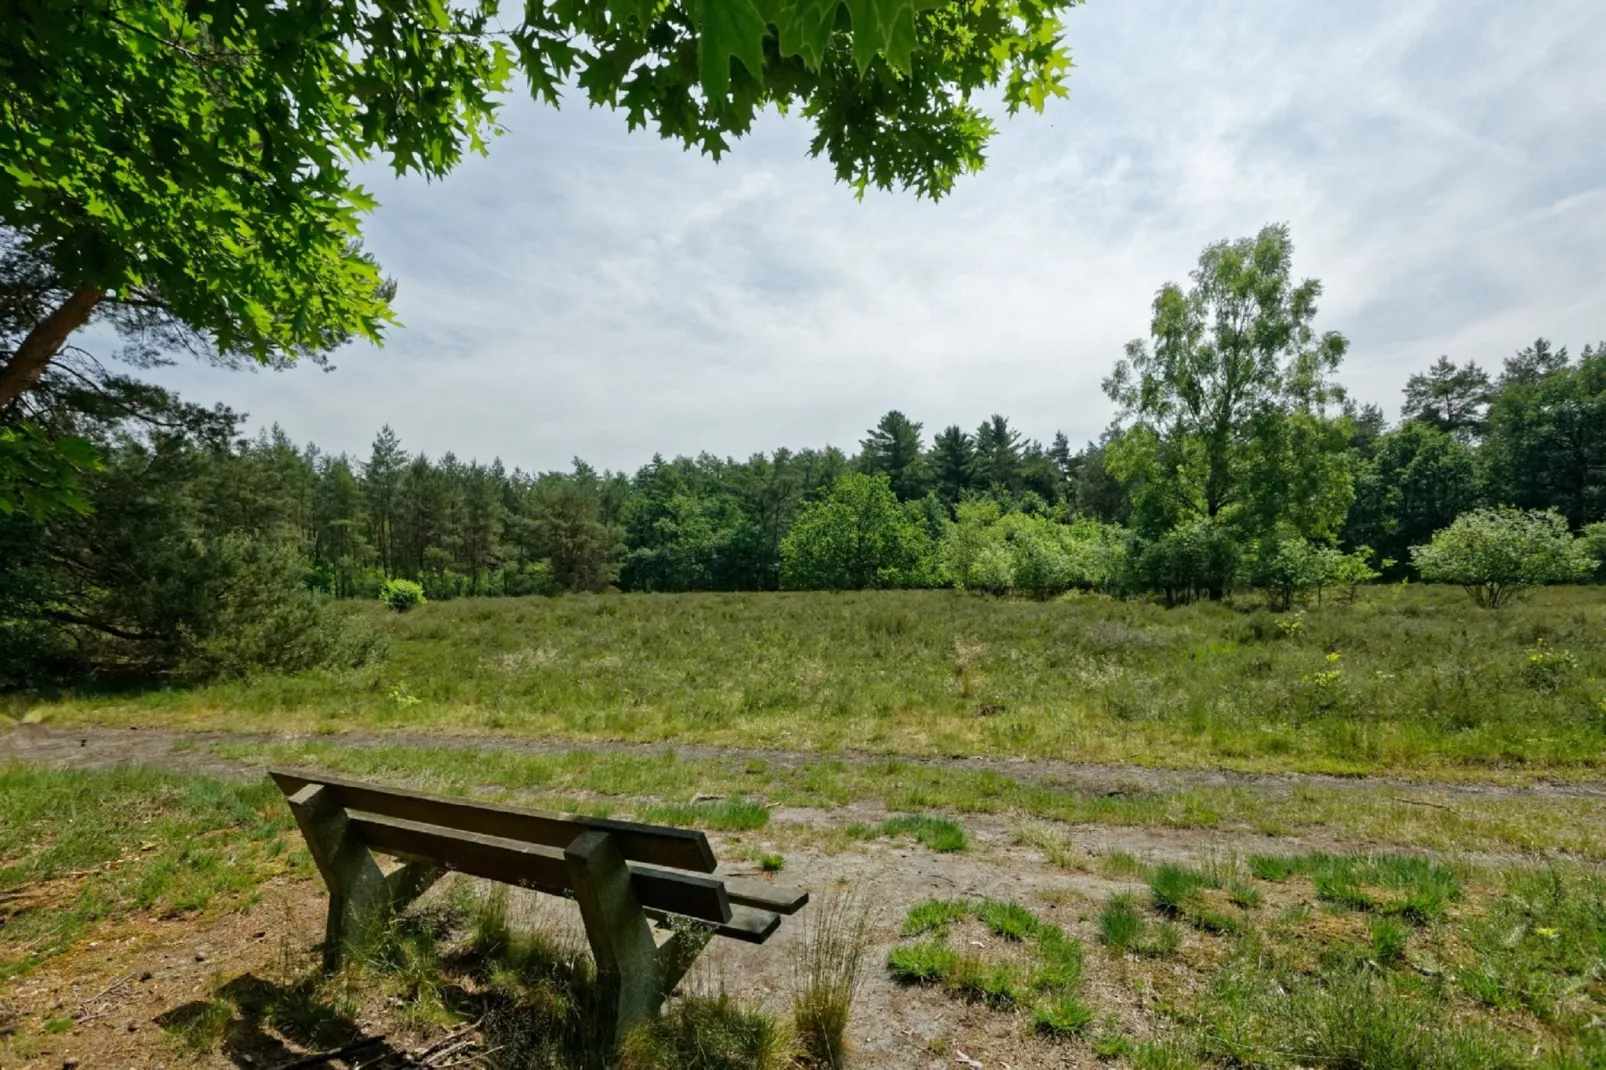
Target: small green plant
[[402, 696], [1121, 927], [1064, 1016], [1111, 1043], [922, 962], [62, 1024], [937, 833], [771, 863], [401, 595], [1548, 669], [1009, 920], [708, 1033], [1173, 887], [1389, 937], [934, 916]]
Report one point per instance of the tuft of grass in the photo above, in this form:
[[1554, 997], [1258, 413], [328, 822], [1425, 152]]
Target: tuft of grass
[[708, 1033], [771, 863], [1122, 864], [826, 978], [1389, 938], [1416, 889], [1243, 894], [1056, 844], [1111, 1044], [1059, 961], [1065, 1016], [724, 815], [1173, 887], [922, 962], [1121, 927], [934, 916], [1009, 920], [936, 833], [995, 983]]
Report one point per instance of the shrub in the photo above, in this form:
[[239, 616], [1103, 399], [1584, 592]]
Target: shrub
[[402, 595], [264, 619], [1594, 536], [1191, 560], [1498, 553], [1027, 554], [858, 537], [1285, 568]]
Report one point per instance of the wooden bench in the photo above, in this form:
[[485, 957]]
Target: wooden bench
[[620, 873]]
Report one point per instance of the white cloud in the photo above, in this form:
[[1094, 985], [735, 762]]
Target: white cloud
[[584, 291]]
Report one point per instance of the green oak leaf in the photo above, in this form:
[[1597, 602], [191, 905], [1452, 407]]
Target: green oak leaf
[[728, 28]]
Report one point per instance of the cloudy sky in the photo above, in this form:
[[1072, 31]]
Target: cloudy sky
[[588, 292]]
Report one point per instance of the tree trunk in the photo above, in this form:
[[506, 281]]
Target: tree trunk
[[21, 373]]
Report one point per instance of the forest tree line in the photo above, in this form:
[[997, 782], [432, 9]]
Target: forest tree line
[[1234, 452]]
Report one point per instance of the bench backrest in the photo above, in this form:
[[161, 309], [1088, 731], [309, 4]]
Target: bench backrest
[[657, 845]]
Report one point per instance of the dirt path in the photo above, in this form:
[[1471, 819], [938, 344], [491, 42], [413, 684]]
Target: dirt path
[[193, 752]]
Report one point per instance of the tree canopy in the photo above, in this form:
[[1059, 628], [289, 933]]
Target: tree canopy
[[191, 163], [1226, 401]]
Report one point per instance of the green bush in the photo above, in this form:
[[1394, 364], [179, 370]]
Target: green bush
[[858, 537], [1027, 554], [1496, 554], [1192, 560], [402, 595]]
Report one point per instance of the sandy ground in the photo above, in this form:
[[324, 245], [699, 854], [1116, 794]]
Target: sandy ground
[[122, 985]]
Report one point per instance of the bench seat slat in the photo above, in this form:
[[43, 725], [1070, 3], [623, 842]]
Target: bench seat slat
[[765, 896], [747, 924], [529, 865], [675, 848], [760, 894]]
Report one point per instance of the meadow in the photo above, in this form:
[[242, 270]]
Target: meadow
[[1155, 917], [1410, 680]]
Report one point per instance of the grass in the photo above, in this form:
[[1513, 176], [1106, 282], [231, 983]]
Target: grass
[[827, 973], [1506, 976], [1049, 984], [937, 833], [1428, 684], [81, 849]]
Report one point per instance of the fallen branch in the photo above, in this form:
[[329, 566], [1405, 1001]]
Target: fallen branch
[[322, 1057], [1424, 802]]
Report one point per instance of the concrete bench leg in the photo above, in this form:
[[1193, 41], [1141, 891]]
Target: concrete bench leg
[[361, 897], [633, 975]]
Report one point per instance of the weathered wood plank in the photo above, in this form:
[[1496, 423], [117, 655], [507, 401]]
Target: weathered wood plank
[[658, 845], [530, 865], [760, 894], [747, 924]]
